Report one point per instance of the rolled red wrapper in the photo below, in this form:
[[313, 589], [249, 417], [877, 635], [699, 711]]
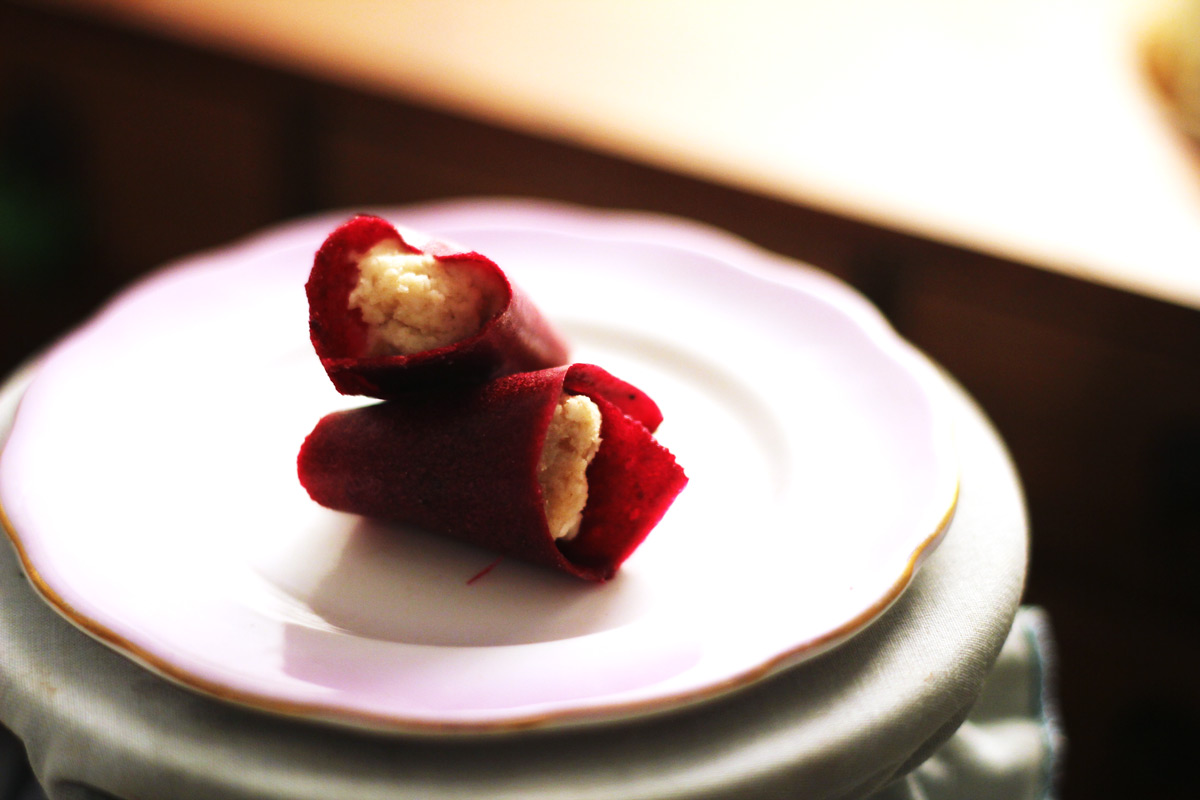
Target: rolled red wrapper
[[463, 462], [514, 338]]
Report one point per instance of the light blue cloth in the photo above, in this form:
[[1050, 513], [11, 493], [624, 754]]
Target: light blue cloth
[[1010, 746]]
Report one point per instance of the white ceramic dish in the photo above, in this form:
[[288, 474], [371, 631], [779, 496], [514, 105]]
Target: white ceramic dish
[[149, 485]]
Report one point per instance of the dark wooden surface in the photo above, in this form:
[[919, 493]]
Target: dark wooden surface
[[119, 152]]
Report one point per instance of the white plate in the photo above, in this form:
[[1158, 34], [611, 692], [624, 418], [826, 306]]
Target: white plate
[[149, 483]]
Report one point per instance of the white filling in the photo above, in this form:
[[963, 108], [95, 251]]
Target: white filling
[[413, 302], [571, 442]]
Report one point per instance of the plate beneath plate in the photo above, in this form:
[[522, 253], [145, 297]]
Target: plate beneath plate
[[149, 484]]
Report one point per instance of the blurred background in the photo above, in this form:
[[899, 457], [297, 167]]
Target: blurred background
[[1013, 183]]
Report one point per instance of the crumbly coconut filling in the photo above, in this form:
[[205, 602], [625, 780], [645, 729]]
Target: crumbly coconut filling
[[413, 302], [571, 442]]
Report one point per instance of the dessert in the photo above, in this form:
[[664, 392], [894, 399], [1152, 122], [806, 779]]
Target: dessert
[[558, 467], [386, 317]]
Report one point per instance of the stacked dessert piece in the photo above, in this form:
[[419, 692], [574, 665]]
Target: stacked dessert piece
[[484, 431]]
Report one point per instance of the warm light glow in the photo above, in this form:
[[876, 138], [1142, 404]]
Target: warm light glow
[[1023, 127]]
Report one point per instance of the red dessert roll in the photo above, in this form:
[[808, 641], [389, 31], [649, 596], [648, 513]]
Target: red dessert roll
[[557, 467], [386, 317]]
